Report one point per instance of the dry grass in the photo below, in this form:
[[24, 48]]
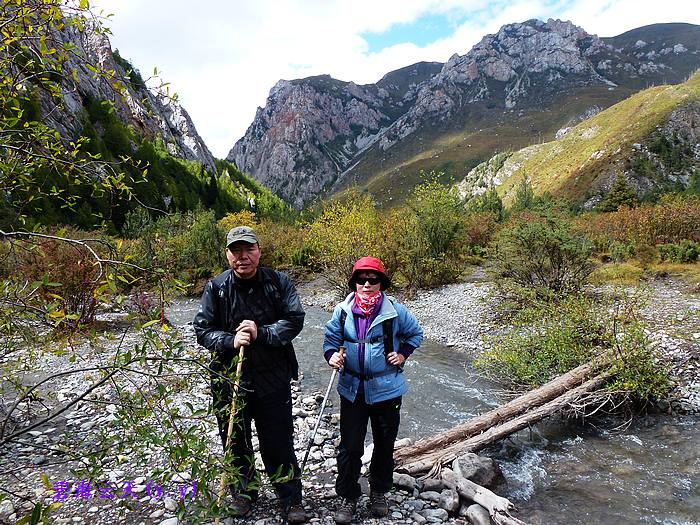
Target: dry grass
[[616, 273]]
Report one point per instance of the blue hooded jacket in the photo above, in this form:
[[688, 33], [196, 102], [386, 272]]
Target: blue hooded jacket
[[383, 380]]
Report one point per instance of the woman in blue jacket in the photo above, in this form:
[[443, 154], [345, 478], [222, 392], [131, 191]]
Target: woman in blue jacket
[[378, 334]]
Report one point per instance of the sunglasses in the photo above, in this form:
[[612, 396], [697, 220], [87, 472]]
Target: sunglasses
[[371, 280]]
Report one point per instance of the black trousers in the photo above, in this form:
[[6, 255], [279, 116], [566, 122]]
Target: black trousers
[[272, 414], [384, 417]]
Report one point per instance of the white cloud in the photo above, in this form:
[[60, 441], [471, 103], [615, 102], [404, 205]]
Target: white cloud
[[222, 57]]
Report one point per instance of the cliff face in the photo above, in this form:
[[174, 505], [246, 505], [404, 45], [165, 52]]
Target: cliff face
[[318, 131], [153, 115], [311, 129]]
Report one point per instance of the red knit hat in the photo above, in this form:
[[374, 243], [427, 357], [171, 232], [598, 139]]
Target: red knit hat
[[372, 264]]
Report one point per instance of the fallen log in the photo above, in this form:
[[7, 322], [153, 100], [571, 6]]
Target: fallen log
[[534, 398], [432, 461]]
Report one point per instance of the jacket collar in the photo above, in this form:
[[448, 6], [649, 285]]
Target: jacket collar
[[386, 310]]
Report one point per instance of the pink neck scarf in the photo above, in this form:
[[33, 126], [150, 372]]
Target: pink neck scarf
[[366, 303]]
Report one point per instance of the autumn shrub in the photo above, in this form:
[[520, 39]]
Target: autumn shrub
[[545, 254], [480, 228], [344, 231], [239, 218], [63, 276], [283, 244], [670, 221]]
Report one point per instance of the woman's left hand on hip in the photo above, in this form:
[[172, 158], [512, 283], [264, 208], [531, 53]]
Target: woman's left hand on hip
[[395, 359]]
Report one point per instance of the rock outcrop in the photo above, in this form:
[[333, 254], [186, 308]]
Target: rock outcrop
[[152, 114], [311, 129]]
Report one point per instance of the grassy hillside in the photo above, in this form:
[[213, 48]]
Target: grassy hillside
[[576, 164], [476, 134]]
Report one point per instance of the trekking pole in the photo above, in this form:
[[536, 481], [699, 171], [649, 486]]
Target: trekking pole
[[341, 351], [231, 419]]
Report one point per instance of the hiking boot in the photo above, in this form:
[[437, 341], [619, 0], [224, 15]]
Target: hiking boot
[[345, 511], [296, 514], [378, 505], [240, 506]]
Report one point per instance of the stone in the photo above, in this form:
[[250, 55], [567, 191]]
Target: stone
[[435, 515], [404, 481], [433, 484], [6, 509], [449, 500], [181, 477], [414, 504], [430, 495], [169, 521], [481, 470], [418, 519]]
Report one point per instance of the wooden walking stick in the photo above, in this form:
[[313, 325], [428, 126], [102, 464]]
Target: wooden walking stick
[[231, 419]]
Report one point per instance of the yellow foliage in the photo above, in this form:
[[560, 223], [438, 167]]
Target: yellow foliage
[[344, 232], [239, 218]]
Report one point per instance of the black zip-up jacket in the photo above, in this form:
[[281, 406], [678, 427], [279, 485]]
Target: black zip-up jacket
[[269, 299]]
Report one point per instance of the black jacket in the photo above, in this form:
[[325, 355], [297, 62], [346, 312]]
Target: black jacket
[[270, 299]]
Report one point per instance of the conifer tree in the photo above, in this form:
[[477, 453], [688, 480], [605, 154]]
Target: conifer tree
[[621, 194]]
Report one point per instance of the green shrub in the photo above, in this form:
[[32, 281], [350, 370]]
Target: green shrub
[[638, 369], [489, 201], [684, 252], [549, 338], [524, 196], [545, 254], [620, 251], [431, 242], [621, 194]]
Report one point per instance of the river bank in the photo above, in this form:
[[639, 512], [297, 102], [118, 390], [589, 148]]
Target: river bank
[[454, 316]]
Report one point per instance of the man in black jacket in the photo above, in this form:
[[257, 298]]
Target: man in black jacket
[[257, 308]]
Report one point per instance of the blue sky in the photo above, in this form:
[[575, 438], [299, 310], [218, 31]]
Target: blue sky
[[222, 56], [421, 32]]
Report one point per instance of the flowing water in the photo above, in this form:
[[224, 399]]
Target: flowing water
[[556, 473]]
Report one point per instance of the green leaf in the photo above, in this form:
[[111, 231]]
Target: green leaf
[[36, 514]]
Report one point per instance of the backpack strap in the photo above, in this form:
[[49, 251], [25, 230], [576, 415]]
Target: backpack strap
[[343, 317], [388, 335], [272, 285]]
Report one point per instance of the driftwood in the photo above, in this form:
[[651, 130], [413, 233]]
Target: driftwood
[[428, 455], [499, 508]]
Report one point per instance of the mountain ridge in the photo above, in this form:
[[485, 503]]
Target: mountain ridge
[[523, 83]]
